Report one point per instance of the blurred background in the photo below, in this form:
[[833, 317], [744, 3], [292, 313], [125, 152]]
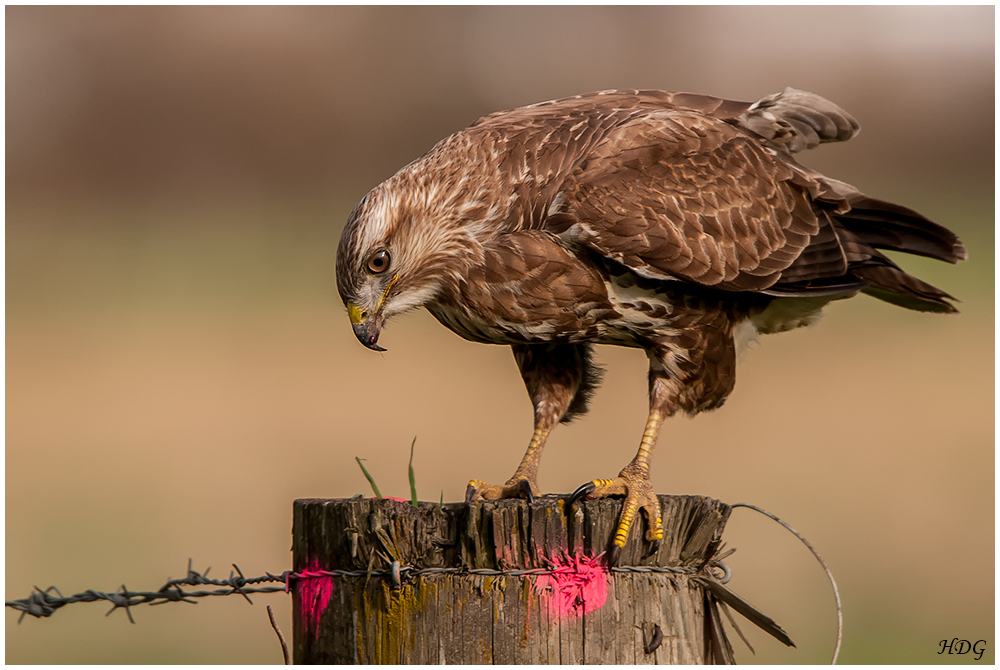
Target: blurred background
[[179, 367]]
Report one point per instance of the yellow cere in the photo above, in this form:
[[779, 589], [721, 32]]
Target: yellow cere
[[355, 313]]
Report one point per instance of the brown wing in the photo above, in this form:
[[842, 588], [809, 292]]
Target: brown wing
[[679, 195], [692, 187]]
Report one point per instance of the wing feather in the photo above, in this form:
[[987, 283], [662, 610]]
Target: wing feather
[[678, 186], [674, 194]]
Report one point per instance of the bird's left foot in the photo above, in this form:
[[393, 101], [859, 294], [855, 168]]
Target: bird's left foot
[[637, 488], [518, 486]]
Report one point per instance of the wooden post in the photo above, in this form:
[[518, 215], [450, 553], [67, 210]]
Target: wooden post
[[440, 584]]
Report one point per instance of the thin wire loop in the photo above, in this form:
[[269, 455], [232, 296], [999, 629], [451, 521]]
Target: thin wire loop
[[833, 582]]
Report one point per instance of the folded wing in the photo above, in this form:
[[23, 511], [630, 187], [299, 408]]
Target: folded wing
[[708, 192]]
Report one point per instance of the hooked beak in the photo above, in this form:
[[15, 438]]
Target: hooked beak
[[366, 326]]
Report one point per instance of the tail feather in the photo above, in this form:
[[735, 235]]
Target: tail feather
[[885, 225], [858, 235], [844, 256], [886, 281], [877, 224]]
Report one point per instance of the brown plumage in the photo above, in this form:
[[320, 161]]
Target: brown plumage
[[674, 222]]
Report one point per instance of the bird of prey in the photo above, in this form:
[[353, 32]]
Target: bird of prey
[[677, 223]]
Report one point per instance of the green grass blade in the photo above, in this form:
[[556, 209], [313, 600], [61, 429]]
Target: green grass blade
[[413, 479], [369, 478]]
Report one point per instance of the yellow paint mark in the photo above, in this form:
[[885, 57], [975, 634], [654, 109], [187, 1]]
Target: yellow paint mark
[[392, 615]]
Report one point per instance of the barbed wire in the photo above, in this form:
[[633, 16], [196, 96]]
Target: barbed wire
[[42, 603]]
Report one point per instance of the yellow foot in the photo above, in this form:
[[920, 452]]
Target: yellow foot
[[638, 492], [517, 486]]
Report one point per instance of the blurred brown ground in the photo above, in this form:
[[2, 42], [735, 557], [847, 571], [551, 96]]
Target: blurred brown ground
[[179, 367]]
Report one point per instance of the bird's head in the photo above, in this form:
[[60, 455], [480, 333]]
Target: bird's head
[[395, 254]]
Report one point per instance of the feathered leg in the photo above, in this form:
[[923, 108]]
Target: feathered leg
[[679, 379], [634, 482], [559, 379]]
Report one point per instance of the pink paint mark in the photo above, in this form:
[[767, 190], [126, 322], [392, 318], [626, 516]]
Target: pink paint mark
[[396, 499], [313, 589], [577, 585]]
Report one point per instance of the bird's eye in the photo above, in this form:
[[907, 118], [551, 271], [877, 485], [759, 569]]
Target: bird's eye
[[378, 262]]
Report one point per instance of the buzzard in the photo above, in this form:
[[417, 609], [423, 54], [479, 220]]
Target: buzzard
[[681, 224]]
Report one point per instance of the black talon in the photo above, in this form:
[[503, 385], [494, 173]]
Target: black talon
[[612, 555], [654, 547], [526, 490], [585, 489], [470, 491]]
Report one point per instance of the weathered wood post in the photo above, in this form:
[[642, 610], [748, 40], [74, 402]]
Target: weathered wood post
[[504, 582]]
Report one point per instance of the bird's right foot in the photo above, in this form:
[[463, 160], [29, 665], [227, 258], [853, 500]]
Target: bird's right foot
[[635, 485]]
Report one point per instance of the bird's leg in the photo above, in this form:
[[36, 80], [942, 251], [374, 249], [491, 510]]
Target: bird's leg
[[633, 481], [523, 483], [559, 378]]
